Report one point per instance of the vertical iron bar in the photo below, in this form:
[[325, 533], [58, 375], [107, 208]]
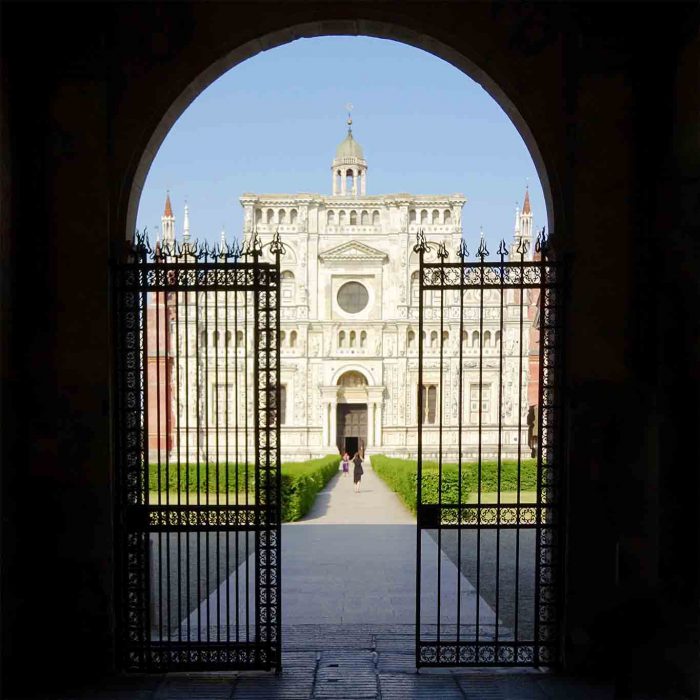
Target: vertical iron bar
[[480, 413], [143, 477], [278, 465], [227, 459], [460, 408], [159, 496], [540, 402], [441, 388], [521, 298], [500, 442], [188, 443], [207, 420], [240, 271], [181, 382], [419, 460], [256, 430], [247, 466], [217, 428]]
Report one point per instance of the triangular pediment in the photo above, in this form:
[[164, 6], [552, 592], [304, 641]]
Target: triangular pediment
[[353, 250]]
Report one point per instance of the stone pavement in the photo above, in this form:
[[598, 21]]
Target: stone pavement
[[348, 619]]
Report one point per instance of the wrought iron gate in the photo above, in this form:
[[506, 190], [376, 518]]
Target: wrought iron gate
[[198, 469], [488, 470]]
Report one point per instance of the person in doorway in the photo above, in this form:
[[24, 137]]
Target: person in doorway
[[345, 464], [357, 471]]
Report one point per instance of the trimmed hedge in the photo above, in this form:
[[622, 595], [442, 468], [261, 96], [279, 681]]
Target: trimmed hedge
[[401, 476], [203, 477], [301, 481]]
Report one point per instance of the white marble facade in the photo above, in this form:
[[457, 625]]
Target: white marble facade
[[349, 326]]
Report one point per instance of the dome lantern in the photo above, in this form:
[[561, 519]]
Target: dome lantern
[[349, 169]]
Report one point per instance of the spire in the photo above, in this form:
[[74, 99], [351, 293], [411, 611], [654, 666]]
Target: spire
[[168, 207], [186, 224], [349, 108], [526, 202], [167, 221]]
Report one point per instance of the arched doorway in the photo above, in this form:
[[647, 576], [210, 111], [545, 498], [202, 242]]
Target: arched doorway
[[352, 421], [351, 431]]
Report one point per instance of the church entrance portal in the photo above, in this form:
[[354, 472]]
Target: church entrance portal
[[352, 428]]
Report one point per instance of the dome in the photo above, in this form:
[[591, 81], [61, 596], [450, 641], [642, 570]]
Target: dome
[[349, 148]]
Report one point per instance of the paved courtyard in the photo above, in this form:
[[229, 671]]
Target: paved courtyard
[[348, 617]]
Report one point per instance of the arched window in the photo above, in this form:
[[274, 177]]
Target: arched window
[[203, 338], [411, 339], [293, 339], [465, 337], [429, 396], [270, 215], [352, 378], [330, 219], [341, 339], [293, 216], [341, 218], [258, 216], [215, 339], [436, 216], [353, 337], [239, 339], [283, 404], [228, 339], [475, 339], [498, 338], [424, 216], [375, 218], [448, 216], [363, 339], [282, 216], [412, 216], [283, 338], [433, 339], [415, 288], [348, 181], [287, 283], [353, 218], [365, 218], [487, 339], [445, 337]]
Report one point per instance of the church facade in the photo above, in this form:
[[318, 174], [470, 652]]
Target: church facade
[[349, 333]]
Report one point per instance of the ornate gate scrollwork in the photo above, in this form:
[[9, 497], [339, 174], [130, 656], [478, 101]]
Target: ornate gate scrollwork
[[197, 497], [489, 522]]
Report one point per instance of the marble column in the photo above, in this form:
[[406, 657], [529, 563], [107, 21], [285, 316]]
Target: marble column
[[378, 425], [343, 181], [324, 424], [363, 182], [334, 424]]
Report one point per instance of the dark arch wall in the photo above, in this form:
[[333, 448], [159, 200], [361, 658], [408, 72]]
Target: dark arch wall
[[87, 95]]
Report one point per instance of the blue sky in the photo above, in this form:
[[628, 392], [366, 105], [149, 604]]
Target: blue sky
[[272, 124]]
